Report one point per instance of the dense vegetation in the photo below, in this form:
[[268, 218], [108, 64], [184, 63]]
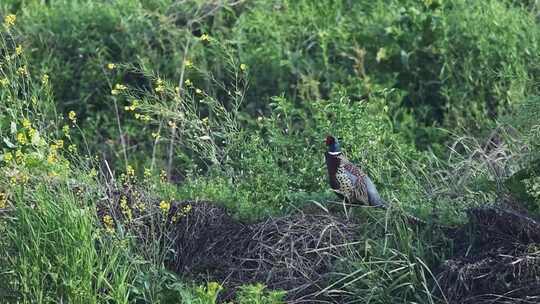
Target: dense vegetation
[[229, 102]]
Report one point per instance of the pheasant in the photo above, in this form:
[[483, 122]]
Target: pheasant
[[347, 180]]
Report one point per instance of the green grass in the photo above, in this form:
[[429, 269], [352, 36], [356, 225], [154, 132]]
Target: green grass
[[55, 250]]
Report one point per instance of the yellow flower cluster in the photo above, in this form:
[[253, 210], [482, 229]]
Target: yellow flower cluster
[[58, 144], [73, 117], [243, 67], [183, 212], [187, 63], [9, 20], [130, 171], [3, 200], [21, 138], [160, 87], [163, 176], [7, 157], [4, 82], [125, 208], [186, 209], [108, 222], [26, 123], [142, 117], [19, 157], [45, 79], [65, 128], [19, 50], [188, 83], [205, 38], [133, 106], [52, 157], [23, 71], [164, 206], [118, 88], [147, 173], [111, 66]]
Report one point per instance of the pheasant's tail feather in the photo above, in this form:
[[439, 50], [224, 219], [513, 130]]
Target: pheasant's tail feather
[[373, 195]]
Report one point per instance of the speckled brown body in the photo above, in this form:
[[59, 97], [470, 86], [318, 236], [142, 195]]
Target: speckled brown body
[[346, 179]]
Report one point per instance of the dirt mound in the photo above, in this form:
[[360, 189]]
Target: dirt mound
[[497, 259]]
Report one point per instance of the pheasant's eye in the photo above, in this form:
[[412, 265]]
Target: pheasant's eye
[[329, 140]]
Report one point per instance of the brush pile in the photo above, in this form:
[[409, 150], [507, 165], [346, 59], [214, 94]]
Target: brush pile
[[292, 253], [499, 261]]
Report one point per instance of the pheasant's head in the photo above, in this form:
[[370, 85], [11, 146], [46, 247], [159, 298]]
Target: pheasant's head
[[333, 145]]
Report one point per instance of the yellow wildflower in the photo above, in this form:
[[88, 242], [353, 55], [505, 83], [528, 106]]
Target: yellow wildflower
[[159, 86], [205, 37], [188, 63], [147, 172], [21, 138], [34, 136], [3, 200], [125, 207], [72, 148], [72, 116], [164, 206], [199, 91], [59, 143], [134, 105], [243, 67], [19, 156], [108, 222], [188, 83], [19, 49], [23, 71], [155, 135], [163, 176], [26, 123], [65, 129], [4, 82], [52, 158], [111, 66], [130, 171], [8, 157], [118, 88], [45, 79], [9, 20], [186, 209]]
